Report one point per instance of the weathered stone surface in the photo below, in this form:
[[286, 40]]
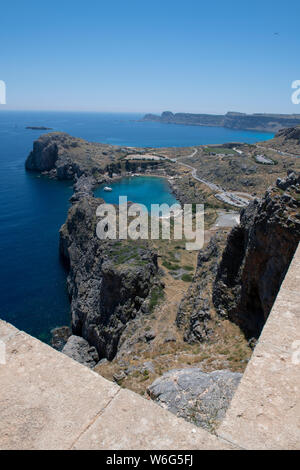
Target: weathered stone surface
[[199, 397], [265, 410], [79, 349], [141, 424], [47, 400]]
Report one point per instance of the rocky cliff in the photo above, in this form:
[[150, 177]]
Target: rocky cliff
[[109, 281], [231, 120], [68, 158], [257, 256]]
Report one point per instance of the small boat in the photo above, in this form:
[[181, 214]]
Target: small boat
[[107, 188]]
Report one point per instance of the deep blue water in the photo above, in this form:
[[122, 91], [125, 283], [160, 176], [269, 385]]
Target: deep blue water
[[32, 208]]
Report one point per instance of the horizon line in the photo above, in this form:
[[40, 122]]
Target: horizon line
[[158, 113]]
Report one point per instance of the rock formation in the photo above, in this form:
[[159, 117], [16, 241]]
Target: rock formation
[[196, 396], [195, 309], [289, 133], [79, 349], [59, 337], [69, 158], [108, 281], [257, 256]]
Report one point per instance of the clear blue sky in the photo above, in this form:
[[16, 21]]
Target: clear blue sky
[[191, 56]]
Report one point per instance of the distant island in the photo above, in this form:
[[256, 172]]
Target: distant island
[[231, 120], [39, 128]]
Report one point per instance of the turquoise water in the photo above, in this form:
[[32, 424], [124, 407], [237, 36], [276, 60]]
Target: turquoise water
[[145, 190], [32, 208]]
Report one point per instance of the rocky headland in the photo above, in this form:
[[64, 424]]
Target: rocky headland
[[231, 120], [68, 158]]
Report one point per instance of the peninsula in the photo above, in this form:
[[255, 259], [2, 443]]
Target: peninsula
[[231, 120]]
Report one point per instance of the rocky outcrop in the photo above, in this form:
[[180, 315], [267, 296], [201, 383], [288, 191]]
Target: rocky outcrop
[[257, 256], [78, 348], [195, 310], [83, 187], [291, 133], [196, 396], [44, 155], [109, 280], [69, 158], [59, 337]]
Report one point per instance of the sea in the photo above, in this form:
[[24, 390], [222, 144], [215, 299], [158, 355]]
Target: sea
[[33, 294]]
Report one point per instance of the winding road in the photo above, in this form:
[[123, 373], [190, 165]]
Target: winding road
[[277, 151], [236, 199]]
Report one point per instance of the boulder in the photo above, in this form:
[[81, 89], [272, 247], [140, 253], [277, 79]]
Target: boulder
[[79, 349], [196, 396]]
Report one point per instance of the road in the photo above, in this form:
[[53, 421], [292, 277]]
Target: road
[[277, 151], [232, 198]]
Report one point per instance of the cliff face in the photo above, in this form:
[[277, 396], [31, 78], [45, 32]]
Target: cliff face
[[109, 281], [261, 122], [43, 156], [195, 315], [257, 256], [68, 158]]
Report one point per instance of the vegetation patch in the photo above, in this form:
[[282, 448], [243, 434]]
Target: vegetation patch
[[187, 277], [220, 150], [156, 296]]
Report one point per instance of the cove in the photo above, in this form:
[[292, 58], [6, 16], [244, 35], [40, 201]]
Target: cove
[[145, 190]]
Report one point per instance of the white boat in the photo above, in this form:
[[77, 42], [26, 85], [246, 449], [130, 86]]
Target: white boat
[[107, 188]]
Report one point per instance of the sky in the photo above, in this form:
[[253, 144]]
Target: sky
[[150, 56]]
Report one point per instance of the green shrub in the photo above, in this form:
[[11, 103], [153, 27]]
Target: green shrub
[[186, 278], [157, 294]]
